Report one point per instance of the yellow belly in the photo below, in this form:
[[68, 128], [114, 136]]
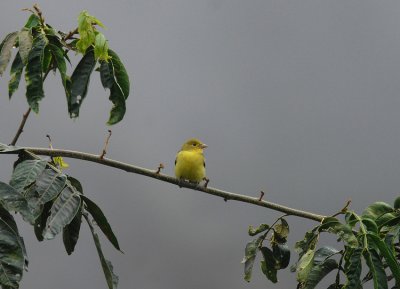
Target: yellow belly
[[190, 166]]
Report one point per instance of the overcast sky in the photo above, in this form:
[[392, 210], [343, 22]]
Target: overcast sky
[[300, 99]]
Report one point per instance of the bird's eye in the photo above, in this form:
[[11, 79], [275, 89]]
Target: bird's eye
[[194, 144]]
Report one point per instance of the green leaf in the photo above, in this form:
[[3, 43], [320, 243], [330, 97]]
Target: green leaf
[[101, 221], [353, 268], [309, 242], [318, 272], [251, 250], [58, 54], [75, 183], [25, 41], [324, 253], [11, 199], [79, 82], [12, 252], [254, 231], [111, 278], [376, 269], [268, 265], [376, 210], [305, 265], [26, 173], [33, 21], [369, 224], [40, 223], [397, 203], [71, 232], [101, 47], [281, 232], [5, 50], [388, 254], [34, 73], [49, 184], [16, 71], [119, 90], [47, 59], [86, 30], [63, 211], [281, 254], [343, 231]]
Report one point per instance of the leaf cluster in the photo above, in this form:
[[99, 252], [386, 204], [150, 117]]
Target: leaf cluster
[[53, 203], [42, 49], [370, 239]]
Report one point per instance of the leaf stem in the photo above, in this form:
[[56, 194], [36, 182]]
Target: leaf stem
[[165, 178]]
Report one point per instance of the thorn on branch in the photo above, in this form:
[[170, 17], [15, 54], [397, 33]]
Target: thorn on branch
[[50, 145], [106, 145], [160, 167], [261, 196], [344, 209]]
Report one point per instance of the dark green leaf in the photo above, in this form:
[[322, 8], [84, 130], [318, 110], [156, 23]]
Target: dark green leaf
[[40, 224], [34, 73], [58, 54], [268, 265], [318, 272], [12, 252], [33, 21], [63, 211], [16, 71], [106, 75], [376, 210], [343, 231], [281, 254], [49, 184], [101, 221], [119, 90], [388, 254], [250, 255], [353, 268], [47, 59], [5, 50], [254, 231], [351, 219], [376, 269], [324, 253], [111, 278], [79, 82], [25, 41], [11, 199], [370, 225], [397, 203], [71, 232], [76, 184], [26, 173]]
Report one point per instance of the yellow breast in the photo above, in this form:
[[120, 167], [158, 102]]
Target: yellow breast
[[190, 166]]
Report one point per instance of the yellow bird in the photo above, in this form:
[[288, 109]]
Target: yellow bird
[[190, 162]]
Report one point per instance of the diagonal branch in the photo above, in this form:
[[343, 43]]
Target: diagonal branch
[[21, 127], [165, 178]]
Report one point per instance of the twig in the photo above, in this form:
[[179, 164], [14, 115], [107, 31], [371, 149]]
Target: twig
[[165, 178], [261, 196], [70, 34], [344, 209], [21, 127], [160, 167], [106, 145]]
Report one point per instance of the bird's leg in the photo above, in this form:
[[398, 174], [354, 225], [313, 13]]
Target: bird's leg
[[206, 182]]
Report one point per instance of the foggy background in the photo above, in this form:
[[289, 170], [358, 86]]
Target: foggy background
[[296, 98]]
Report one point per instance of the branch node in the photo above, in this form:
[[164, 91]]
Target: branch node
[[106, 145], [261, 196], [160, 167], [344, 209]]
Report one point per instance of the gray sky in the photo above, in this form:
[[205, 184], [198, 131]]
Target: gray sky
[[297, 98]]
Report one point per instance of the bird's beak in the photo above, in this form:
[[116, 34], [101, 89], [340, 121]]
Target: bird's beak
[[203, 146]]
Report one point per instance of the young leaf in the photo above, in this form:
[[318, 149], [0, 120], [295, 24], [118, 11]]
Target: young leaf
[[79, 82], [26, 173], [25, 41], [101, 47], [16, 71], [33, 21], [71, 232], [250, 254], [281, 232], [376, 269], [101, 221], [268, 265], [353, 268], [111, 278], [86, 30], [254, 231], [5, 50], [63, 211], [34, 73], [343, 231]]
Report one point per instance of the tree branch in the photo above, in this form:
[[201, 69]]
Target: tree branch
[[162, 177], [21, 127]]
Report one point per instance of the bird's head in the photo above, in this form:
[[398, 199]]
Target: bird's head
[[193, 144]]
